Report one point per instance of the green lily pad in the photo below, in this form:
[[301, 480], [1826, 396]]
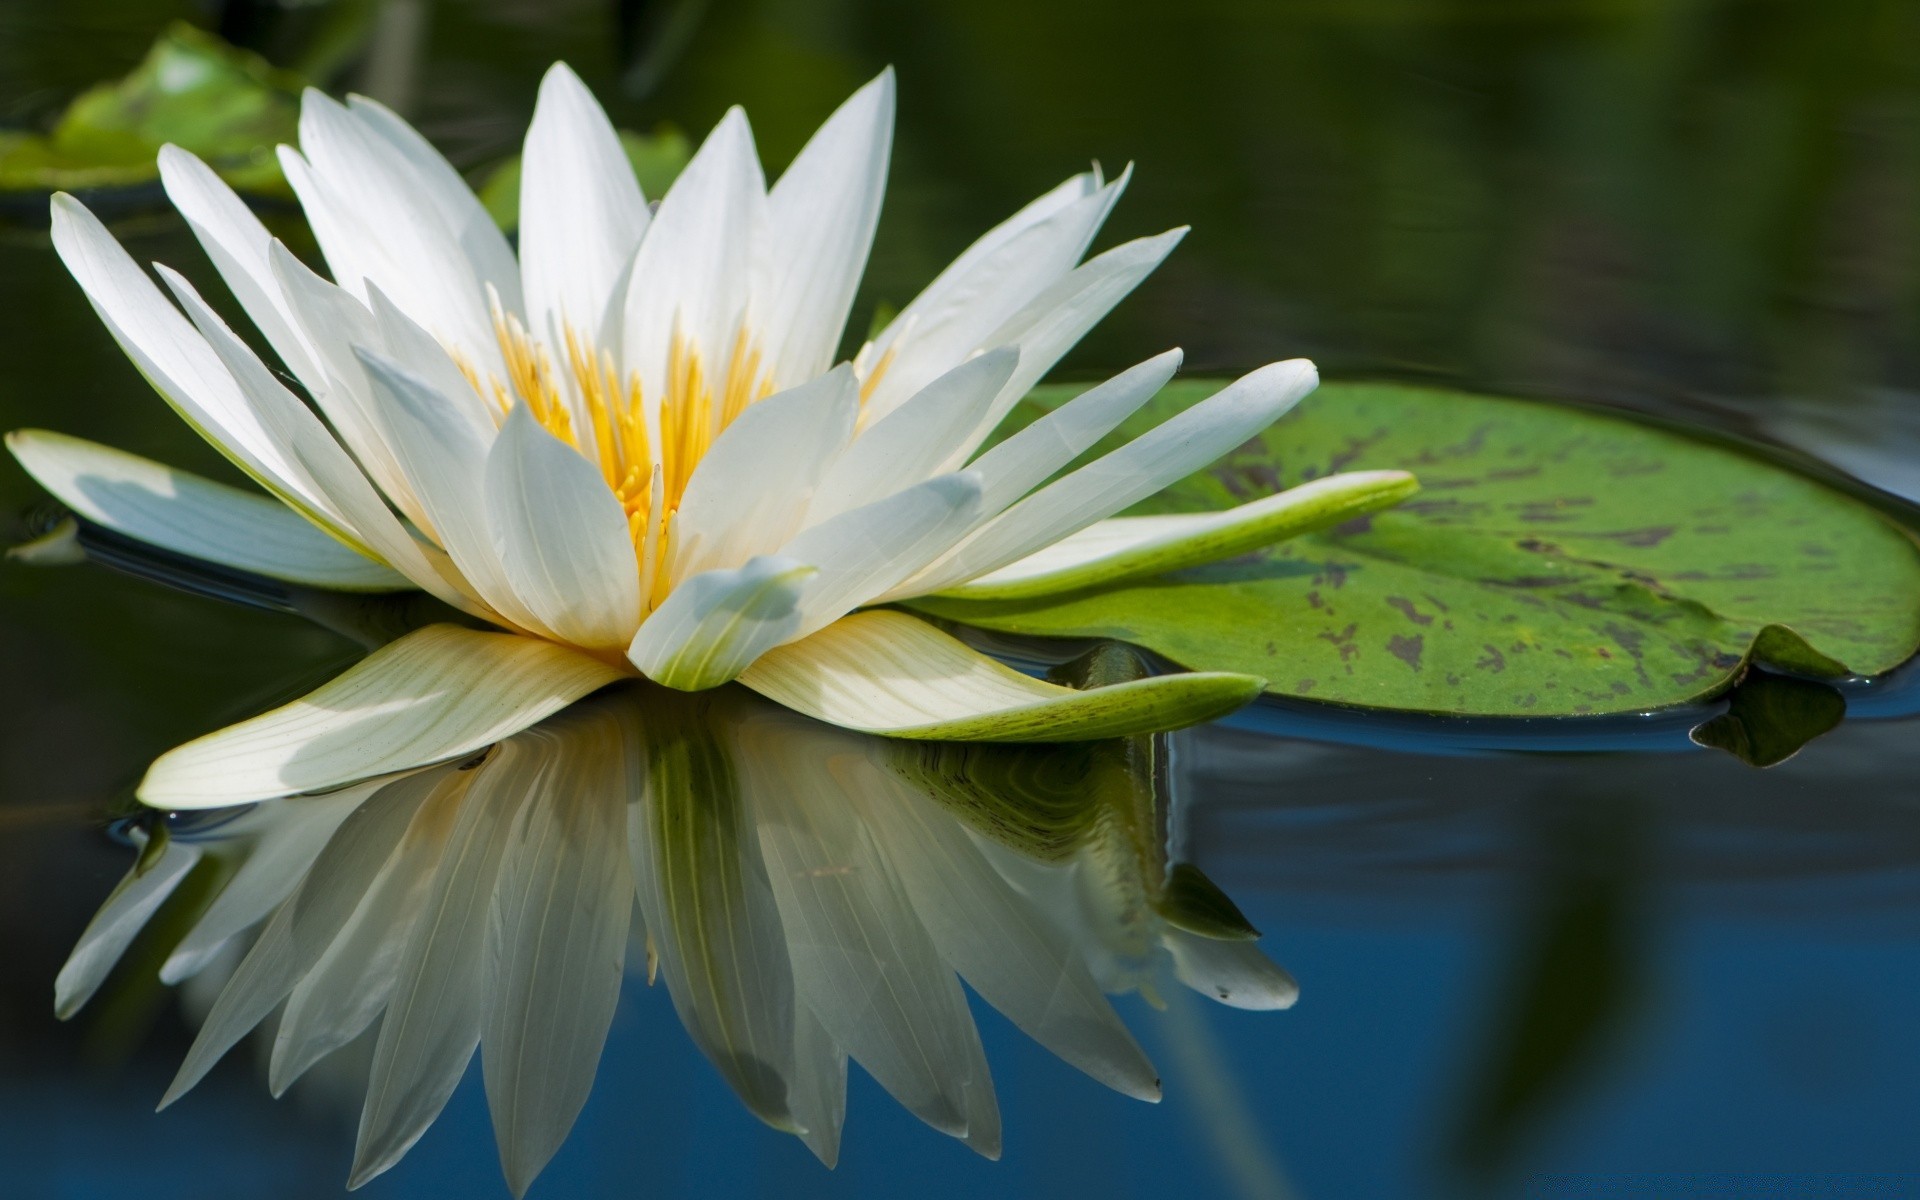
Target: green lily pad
[[194, 90], [1555, 561], [657, 158]]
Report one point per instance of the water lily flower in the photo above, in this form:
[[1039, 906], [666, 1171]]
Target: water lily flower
[[629, 447], [807, 896]]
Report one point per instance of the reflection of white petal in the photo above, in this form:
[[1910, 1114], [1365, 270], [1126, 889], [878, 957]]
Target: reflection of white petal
[[119, 920], [1235, 973], [270, 871], [557, 940], [862, 963], [433, 1020], [302, 929], [710, 911]]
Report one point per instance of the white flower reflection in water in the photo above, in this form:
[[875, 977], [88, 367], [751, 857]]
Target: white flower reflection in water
[[806, 894]]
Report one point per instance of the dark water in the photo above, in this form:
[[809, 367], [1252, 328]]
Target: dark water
[[1571, 973]]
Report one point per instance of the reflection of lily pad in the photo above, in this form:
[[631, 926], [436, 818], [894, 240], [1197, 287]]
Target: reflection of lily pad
[[192, 89], [1556, 561], [656, 157]]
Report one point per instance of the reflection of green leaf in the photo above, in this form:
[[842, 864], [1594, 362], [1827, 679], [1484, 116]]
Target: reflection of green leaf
[[192, 89], [1770, 717], [1556, 561], [656, 157]]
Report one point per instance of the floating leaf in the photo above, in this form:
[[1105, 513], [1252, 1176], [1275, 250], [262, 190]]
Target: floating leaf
[[1556, 561], [656, 157], [227, 106]]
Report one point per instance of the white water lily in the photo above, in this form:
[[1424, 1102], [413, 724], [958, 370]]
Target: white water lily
[[807, 896], [629, 447]]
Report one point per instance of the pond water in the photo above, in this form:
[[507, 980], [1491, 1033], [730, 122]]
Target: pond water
[[1533, 958]]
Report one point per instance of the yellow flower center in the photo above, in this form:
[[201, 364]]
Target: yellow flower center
[[646, 468]]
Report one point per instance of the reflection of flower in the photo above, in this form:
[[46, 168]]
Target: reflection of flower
[[807, 895], [630, 442]]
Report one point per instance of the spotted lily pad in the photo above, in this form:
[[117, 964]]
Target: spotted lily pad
[[194, 90], [1556, 561]]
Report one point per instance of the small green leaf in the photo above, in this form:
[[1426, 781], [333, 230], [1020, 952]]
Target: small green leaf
[[1555, 561], [657, 158], [227, 106]]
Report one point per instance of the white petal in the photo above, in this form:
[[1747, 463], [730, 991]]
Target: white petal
[[1059, 317], [433, 1021], [863, 965], [1171, 451], [1235, 973], [120, 919], [581, 211], [712, 625], [862, 553], [749, 494], [710, 910], [885, 672], [922, 438], [994, 280], [561, 536], [305, 926], [237, 243], [378, 225], [557, 938], [821, 218], [486, 247], [196, 517], [694, 268], [1124, 548], [295, 835], [437, 693], [1025, 460], [444, 459], [818, 1093]]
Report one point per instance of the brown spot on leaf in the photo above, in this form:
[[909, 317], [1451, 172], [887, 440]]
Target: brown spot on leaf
[[1406, 649], [1409, 611]]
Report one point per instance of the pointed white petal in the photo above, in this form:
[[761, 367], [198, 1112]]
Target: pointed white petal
[[434, 1018], [437, 693], [862, 553], [581, 211], [378, 225], [821, 218], [273, 867], [485, 246], [710, 910], [717, 622], [863, 965], [1060, 316], [1124, 548], [444, 459], [1235, 973], [748, 495], [1025, 460], [557, 938], [561, 536], [922, 438], [1172, 450], [349, 953], [196, 517], [237, 243], [694, 268], [888, 673], [819, 1089], [1001, 945], [996, 279], [306, 925], [120, 919]]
